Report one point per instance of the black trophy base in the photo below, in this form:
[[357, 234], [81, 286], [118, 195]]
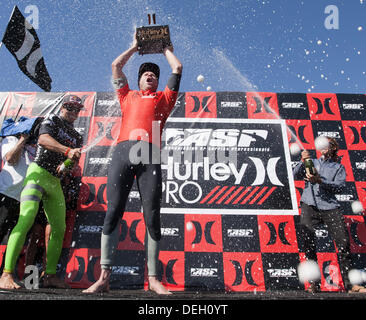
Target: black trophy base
[[152, 39]]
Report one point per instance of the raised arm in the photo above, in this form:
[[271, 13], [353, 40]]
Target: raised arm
[[13, 156], [173, 61], [122, 59]]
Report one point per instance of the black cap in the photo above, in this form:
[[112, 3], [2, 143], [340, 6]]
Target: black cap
[[148, 66], [74, 100]]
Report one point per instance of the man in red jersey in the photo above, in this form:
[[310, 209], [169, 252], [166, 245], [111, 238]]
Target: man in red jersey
[[144, 113]]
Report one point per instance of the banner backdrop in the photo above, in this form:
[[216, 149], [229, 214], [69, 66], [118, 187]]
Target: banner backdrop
[[230, 206]]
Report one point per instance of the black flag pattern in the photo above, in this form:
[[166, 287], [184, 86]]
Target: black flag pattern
[[22, 41]]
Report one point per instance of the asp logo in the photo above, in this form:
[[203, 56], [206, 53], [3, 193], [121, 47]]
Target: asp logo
[[293, 106], [214, 137], [331, 129], [204, 269], [352, 106], [204, 272]]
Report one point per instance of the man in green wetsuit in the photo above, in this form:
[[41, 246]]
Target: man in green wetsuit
[[58, 141]]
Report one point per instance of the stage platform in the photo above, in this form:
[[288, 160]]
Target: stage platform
[[77, 294]]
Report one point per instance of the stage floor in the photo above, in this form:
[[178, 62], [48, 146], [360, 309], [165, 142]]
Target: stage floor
[[76, 294]]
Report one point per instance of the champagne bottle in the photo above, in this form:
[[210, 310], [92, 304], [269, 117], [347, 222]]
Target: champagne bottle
[[66, 165], [309, 166]]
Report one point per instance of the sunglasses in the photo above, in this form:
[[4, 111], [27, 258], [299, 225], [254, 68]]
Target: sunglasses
[[71, 108]]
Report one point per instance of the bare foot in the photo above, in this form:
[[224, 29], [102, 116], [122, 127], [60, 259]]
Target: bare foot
[[99, 286], [102, 285], [52, 281], [358, 289], [156, 286], [7, 282]]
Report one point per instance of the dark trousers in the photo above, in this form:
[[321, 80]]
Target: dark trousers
[[121, 176], [311, 217]]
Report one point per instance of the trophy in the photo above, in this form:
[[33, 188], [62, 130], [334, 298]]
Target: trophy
[[152, 39]]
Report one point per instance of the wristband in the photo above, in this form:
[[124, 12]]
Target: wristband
[[67, 152]]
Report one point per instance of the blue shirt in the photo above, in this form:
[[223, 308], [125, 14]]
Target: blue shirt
[[333, 177]]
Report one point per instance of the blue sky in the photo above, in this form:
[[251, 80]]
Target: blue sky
[[238, 45]]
